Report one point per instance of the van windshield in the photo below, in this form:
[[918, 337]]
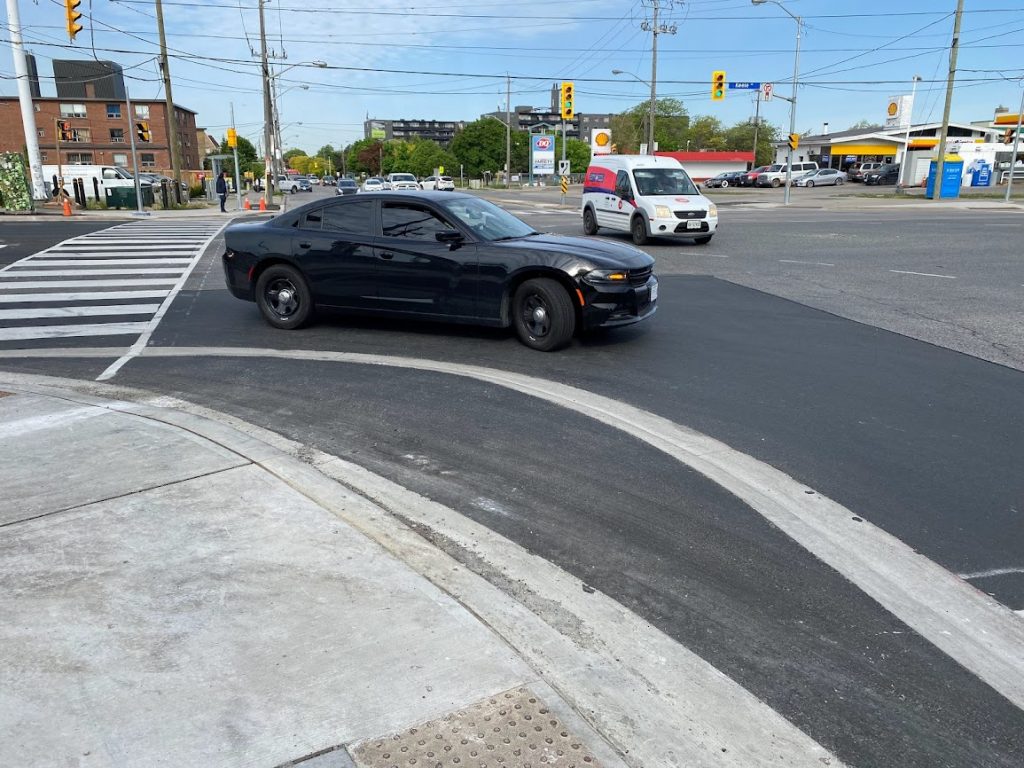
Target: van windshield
[[663, 181]]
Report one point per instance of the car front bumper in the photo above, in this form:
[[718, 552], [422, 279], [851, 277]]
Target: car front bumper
[[675, 227], [609, 306]]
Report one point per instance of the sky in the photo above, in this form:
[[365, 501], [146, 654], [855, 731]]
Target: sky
[[449, 59]]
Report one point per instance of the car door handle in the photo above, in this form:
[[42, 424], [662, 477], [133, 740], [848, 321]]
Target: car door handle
[[305, 245], [387, 255]]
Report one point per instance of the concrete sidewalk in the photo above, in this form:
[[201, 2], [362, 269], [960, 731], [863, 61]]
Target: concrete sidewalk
[[169, 600]]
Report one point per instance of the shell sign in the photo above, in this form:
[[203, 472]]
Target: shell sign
[[601, 141]]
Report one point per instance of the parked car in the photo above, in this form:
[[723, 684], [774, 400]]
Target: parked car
[[305, 184], [400, 182], [441, 183], [859, 171], [889, 173], [727, 179], [775, 175], [346, 187], [821, 178], [373, 184], [750, 177], [420, 256], [288, 184]]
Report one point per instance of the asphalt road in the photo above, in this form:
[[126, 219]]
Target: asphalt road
[[21, 236], [916, 438]]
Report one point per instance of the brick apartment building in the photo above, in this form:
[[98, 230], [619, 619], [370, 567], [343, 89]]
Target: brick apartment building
[[101, 127]]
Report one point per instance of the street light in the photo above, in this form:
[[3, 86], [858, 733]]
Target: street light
[[910, 122], [276, 155], [792, 101], [650, 119]]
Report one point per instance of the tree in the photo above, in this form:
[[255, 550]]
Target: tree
[[425, 156], [333, 160], [705, 133], [576, 152], [298, 162], [363, 156], [246, 155], [863, 124], [292, 153], [480, 146], [740, 137], [671, 122]]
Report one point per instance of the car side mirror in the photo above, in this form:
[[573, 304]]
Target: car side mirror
[[450, 236]]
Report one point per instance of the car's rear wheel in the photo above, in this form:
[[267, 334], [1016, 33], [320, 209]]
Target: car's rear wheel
[[724, 183], [810, 183], [776, 182], [543, 315], [589, 222], [839, 182], [638, 230], [283, 297]]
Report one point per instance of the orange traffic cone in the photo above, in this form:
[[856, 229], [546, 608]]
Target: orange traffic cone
[[263, 203], [67, 207], [247, 205]]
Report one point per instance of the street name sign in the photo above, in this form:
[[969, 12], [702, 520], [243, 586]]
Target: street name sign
[[744, 86]]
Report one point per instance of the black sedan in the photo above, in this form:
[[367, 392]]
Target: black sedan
[[439, 256]]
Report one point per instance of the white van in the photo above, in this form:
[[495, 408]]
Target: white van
[[647, 196], [105, 175]]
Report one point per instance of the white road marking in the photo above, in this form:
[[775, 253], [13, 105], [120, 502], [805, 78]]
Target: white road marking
[[991, 573], [23, 333], [973, 629], [812, 263], [24, 298], [88, 283], [88, 262], [922, 274], [85, 310], [86, 272]]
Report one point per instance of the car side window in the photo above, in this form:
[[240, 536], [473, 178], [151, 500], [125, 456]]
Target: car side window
[[312, 220], [412, 222], [622, 185], [351, 218]]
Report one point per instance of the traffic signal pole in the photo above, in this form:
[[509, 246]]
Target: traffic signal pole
[[792, 110], [28, 115], [135, 154]]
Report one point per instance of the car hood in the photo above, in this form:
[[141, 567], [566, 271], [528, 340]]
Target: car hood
[[600, 253]]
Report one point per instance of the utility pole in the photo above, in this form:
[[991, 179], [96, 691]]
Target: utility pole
[[268, 119], [1016, 144], [28, 115], [655, 29], [234, 151], [508, 131], [953, 51], [757, 125], [172, 117]]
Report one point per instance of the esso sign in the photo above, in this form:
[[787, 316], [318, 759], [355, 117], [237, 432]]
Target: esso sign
[[543, 142]]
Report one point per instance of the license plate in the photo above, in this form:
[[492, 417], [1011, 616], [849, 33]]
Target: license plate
[[654, 292], [693, 225]]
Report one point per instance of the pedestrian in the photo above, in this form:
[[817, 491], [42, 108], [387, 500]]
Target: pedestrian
[[222, 190]]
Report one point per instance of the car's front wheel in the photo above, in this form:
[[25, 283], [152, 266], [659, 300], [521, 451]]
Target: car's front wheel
[[776, 182], [543, 315], [283, 297], [809, 183], [589, 222], [839, 182], [725, 184]]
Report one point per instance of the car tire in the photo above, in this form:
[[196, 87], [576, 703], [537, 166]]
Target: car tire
[[703, 240], [543, 315], [839, 182], [809, 183], [776, 183], [589, 221], [638, 230], [725, 184], [295, 309]]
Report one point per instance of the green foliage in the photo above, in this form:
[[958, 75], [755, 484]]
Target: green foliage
[[363, 156], [246, 155], [740, 137], [424, 156], [292, 153], [197, 191], [671, 123], [480, 146]]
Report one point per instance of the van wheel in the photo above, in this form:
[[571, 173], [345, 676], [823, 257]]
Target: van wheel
[[776, 183], [589, 222], [638, 230]]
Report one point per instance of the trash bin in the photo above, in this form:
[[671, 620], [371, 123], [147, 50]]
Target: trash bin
[[952, 175], [124, 197]]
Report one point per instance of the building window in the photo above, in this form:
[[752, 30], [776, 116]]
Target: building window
[[79, 158], [147, 160], [142, 110], [82, 135], [42, 157], [41, 133], [113, 111], [120, 158], [117, 135], [72, 110]]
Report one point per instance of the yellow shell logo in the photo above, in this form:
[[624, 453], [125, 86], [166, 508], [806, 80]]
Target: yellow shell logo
[[602, 139], [894, 107]]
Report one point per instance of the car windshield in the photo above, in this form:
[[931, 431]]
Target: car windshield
[[486, 220], [346, 183], [663, 181], [403, 177]]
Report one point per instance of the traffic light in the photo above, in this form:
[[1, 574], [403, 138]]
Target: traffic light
[[64, 132], [718, 85], [794, 140], [72, 16], [142, 131], [568, 97]]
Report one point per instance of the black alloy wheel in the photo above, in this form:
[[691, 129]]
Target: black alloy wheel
[[589, 221], [543, 314], [638, 230], [283, 297]]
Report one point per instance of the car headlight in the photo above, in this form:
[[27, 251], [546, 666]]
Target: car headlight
[[606, 277], [662, 212], [712, 211]]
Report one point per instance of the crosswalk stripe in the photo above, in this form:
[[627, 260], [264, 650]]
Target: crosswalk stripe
[[25, 298], [89, 310], [24, 333], [48, 262], [85, 272], [88, 283]]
